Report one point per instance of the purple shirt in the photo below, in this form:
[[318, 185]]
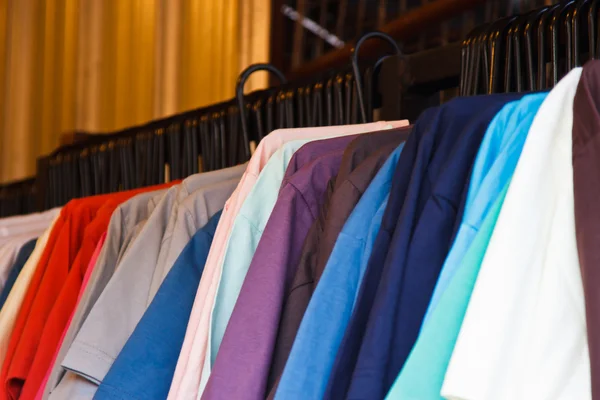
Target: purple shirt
[[247, 347]]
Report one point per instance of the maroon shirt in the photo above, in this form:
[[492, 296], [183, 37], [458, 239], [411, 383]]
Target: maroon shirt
[[586, 185]]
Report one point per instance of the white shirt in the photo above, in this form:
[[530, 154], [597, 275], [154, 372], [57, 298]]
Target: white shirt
[[524, 333]]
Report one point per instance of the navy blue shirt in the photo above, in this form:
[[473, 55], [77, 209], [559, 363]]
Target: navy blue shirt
[[145, 367], [15, 270], [424, 201]]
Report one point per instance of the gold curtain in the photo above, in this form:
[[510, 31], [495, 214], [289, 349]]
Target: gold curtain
[[103, 65]]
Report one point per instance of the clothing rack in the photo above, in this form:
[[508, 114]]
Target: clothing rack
[[527, 52]]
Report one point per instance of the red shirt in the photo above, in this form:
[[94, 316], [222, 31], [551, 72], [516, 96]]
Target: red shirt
[[52, 295]]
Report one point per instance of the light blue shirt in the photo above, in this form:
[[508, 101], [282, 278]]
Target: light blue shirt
[[494, 166], [322, 328]]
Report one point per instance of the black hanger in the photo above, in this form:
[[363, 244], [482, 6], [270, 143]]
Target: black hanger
[[114, 167], [305, 98], [240, 96], [557, 17], [257, 116], [205, 143], [477, 54], [543, 25], [495, 41], [593, 30], [355, 69], [289, 106], [530, 25], [338, 101], [329, 102], [270, 113], [233, 144], [300, 107], [281, 110], [317, 112], [568, 30], [579, 13]]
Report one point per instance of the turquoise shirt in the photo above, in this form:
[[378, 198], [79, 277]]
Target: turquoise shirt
[[494, 166], [246, 232], [423, 373], [322, 328]]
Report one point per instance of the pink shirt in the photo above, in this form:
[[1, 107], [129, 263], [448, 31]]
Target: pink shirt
[[188, 373], [86, 278]]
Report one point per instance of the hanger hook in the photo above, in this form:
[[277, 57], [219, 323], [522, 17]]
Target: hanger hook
[[354, 57], [239, 90]]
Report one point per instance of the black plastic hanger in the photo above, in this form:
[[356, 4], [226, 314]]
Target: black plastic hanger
[[307, 100], [289, 109], [299, 96], [543, 25], [569, 38], [578, 21], [257, 114], [329, 102], [317, 113], [355, 69], [240, 96], [531, 24], [496, 39], [205, 144], [270, 113], [233, 144], [558, 16], [338, 100], [593, 30]]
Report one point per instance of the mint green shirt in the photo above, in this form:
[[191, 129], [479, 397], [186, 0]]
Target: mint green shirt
[[423, 373], [246, 232]]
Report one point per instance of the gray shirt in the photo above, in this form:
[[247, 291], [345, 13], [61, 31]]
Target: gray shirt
[[122, 224], [193, 213], [188, 186], [131, 289]]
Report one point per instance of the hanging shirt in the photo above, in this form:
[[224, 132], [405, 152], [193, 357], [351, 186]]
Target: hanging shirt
[[144, 368], [9, 250], [362, 159], [86, 220], [251, 332], [169, 250], [494, 166], [188, 372], [253, 217], [129, 292], [586, 124], [20, 261], [86, 278], [307, 369], [25, 224], [16, 297], [121, 226], [43, 289], [524, 332], [447, 147], [66, 300], [193, 214], [423, 373], [418, 249]]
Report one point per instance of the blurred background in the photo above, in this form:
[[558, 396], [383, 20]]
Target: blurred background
[[69, 66]]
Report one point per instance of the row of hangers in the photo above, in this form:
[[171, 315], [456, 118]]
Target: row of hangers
[[532, 51], [214, 137]]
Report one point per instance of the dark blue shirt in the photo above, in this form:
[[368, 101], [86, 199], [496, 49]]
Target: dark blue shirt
[[15, 270], [417, 232], [145, 367]]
